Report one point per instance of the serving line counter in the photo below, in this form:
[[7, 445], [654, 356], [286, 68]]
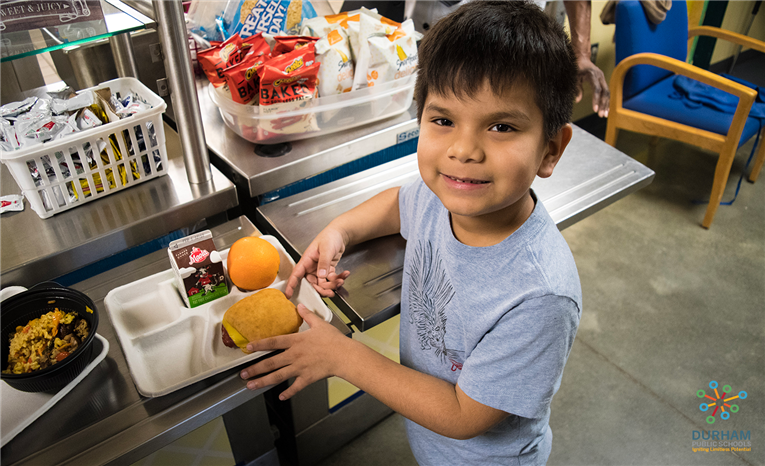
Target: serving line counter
[[590, 176], [104, 420]]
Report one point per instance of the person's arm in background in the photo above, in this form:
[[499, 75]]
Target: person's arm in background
[[579, 21]]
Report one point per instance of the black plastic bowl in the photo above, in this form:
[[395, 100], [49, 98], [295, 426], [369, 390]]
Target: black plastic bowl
[[18, 310]]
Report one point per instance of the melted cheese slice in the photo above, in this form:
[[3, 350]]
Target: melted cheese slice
[[237, 337]]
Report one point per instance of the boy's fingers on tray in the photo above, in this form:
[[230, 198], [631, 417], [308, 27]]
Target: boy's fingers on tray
[[299, 384], [274, 378], [271, 343]]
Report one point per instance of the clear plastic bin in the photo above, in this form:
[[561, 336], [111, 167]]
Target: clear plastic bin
[[317, 117], [134, 146]]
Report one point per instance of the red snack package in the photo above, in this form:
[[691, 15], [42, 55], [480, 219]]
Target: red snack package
[[242, 78], [291, 61], [215, 59], [286, 44], [289, 77], [258, 46], [278, 87]]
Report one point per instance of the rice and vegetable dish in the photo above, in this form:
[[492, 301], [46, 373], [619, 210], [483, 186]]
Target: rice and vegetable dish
[[45, 341]]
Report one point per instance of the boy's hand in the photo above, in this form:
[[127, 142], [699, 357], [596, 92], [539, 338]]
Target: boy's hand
[[309, 356], [318, 263]]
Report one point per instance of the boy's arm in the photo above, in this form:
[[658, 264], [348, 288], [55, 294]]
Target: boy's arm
[[323, 351], [376, 217]]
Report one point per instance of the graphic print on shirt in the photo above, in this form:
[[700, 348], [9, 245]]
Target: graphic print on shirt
[[430, 291]]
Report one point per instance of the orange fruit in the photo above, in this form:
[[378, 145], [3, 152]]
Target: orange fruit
[[253, 263]]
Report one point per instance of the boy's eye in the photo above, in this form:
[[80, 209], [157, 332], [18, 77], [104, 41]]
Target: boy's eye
[[501, 128], [443, 122]]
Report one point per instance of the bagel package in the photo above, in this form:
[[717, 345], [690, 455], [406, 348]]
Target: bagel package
[[265, 314]]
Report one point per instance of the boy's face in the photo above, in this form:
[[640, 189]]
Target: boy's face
[[480, 154]]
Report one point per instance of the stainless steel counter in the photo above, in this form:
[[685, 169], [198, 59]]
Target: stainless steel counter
[[104, 420], [34, 249], [590, 176]]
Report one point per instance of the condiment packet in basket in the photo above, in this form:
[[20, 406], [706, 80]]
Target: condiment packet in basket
[[198, 268]]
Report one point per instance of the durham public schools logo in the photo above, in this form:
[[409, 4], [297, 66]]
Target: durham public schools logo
[[719, 402]]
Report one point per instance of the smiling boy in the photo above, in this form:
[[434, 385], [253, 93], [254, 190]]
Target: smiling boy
[[490, 300]]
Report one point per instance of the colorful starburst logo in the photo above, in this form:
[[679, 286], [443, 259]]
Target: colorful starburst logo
[[720, 402]]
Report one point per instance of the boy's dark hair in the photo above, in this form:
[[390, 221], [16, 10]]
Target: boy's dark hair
[[500, 43]]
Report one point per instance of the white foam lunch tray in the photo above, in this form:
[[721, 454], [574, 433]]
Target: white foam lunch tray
[[20, 409], [169, 346]]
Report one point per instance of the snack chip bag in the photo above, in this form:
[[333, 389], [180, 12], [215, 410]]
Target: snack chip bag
[[257, 46], [336, 73], [393, 56], [371, 25], [350, 21], [216, 59], [285, 44], [290, 77], [269, 16], [242, 79], [287, 84]]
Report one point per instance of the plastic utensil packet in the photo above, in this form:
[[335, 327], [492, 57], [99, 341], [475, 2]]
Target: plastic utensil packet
[[12, 203], [8, 141], [63, 106], [13, 109], [129, 105]]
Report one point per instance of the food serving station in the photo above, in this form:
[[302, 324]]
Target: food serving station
[[252, 190]]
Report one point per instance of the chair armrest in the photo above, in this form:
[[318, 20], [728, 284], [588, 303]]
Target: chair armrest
[[727, 35], [745, 94]]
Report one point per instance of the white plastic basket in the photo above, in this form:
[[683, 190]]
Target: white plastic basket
[[62, 184]]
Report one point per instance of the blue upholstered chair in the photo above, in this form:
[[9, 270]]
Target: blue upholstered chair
[[641, 95]]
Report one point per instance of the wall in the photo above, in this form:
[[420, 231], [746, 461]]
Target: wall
[[736, 16]]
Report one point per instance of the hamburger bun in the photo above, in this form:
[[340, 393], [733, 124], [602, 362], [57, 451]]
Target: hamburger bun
[[264, 314]]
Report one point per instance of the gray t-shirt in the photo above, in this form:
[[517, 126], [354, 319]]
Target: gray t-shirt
[[497, 320]]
